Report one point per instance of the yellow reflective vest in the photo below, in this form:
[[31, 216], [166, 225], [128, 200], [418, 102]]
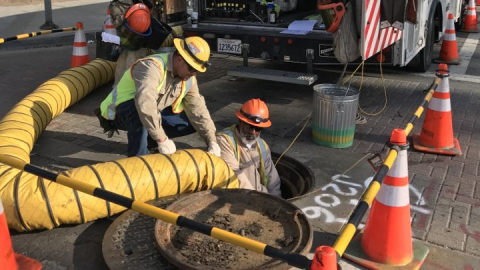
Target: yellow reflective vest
[[125, 89], [262, 147]]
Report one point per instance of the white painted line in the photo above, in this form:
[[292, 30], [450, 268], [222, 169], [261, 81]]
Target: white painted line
[[465, 54]]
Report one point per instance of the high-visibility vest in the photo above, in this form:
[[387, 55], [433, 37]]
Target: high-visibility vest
[[125, 89], [262, 148]]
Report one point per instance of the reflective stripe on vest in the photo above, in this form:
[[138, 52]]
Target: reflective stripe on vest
[[177, 106], [262, 147], [125, 89]]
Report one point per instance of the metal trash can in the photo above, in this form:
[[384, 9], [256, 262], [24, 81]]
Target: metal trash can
[[334, 115]]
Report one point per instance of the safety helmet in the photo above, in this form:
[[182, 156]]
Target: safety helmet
[[254, 112], [195, 51], [138, 19]]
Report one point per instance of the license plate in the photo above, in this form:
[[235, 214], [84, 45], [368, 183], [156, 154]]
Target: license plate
[[229, 45]]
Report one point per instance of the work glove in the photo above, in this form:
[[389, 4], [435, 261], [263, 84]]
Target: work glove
[[214, 148], [167, 147]]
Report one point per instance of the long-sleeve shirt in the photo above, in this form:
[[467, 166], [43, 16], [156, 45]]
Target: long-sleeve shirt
[[248, 169], [148, 75]]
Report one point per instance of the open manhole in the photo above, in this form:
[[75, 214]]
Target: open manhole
[[296, 178], [129, 243]]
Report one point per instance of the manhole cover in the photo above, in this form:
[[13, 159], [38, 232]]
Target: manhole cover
[[258, 216], [129, 243]]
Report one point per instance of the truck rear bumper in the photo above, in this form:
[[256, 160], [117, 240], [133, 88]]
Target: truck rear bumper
[[267, 42]]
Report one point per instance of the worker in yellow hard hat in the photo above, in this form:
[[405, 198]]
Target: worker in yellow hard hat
[[246, 153], [158, 97]]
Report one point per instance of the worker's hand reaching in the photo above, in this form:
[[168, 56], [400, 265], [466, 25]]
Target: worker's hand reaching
[[214, 148], [167, 147]]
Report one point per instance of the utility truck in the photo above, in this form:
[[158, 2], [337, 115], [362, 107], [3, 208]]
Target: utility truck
[[393, 32]]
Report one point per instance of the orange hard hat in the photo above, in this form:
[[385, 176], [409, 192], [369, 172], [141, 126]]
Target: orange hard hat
[[138, 18], [254, 112]]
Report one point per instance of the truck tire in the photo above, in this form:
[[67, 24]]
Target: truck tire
[[425, 56]]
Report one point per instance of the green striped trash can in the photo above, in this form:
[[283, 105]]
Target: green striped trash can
[[334, 112]]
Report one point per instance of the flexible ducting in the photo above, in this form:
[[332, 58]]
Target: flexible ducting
[[31, 202]]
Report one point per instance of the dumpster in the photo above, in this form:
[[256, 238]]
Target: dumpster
[[334, 113]]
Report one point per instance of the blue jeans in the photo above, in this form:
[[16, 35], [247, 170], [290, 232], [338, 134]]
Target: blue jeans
[[126, 118]]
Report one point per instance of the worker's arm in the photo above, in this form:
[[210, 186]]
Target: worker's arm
[[148, 75], [198, 114], [272, 176]]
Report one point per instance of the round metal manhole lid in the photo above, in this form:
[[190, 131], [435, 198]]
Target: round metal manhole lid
[[129, 243], [258, 216]]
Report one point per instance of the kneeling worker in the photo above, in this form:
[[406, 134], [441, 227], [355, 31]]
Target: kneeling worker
[[159, 96], [246, 153]]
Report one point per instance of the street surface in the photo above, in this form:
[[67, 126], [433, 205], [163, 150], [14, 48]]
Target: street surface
[[444, 191]]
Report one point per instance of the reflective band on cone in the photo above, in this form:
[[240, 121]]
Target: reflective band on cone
[[437, 130], [80, 50], [388, 236], [449, 50], [470, 24]]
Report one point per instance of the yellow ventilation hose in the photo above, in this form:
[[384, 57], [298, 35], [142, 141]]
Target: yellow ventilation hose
[[31, 202]]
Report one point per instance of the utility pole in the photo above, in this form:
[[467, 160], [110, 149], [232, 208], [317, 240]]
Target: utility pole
[[48, 25]]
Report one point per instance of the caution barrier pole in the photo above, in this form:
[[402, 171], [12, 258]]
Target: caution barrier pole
[[34, 34], [293, 259], [8, 259]]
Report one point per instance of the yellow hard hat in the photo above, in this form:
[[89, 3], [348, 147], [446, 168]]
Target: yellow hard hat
[[195, 51]]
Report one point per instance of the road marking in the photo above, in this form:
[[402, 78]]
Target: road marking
[[465, 54]]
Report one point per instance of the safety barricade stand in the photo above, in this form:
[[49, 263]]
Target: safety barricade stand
[[8, 259], [389, 257]]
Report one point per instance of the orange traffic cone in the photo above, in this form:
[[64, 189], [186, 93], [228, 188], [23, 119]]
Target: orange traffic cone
[[8, 259], [449, 50], [437, 130], [470, 24], [80, 50], [387, 238], [108, 25], [325, 258]]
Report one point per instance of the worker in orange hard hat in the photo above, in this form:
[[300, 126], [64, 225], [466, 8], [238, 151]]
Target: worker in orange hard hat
[[246, 153], [135, 27], [158, 97]]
